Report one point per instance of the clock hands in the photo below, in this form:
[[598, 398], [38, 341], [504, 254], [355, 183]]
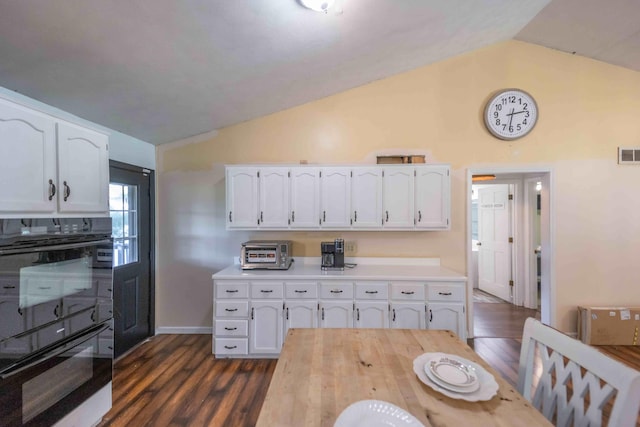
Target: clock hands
[[510, 117]]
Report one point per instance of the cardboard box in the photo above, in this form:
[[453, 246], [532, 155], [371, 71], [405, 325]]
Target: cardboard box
[[609, 325]]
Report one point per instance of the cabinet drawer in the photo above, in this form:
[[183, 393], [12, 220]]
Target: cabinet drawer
[[336, 290], [300, 290], [232, 308], [445, 292], [266, 290], [372, 290], [232, 290], [231, 328], [407, 291], [230, 346]]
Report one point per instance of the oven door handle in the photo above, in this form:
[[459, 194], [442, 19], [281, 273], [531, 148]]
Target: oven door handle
[[55, 247], [39, 358]]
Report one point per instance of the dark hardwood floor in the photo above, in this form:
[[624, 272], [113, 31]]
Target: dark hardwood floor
[[174, 380]]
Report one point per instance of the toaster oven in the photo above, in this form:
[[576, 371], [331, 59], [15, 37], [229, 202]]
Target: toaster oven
[[266, 254]]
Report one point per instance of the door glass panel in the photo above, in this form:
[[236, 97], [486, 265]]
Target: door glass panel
[[124, 214]]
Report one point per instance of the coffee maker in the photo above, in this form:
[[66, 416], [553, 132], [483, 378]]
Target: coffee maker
[[332, 255]]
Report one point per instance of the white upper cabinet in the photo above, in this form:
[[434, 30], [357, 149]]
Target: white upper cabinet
[[242, 197], [83, 169], [432, 200], [274, 197], [366, 197], [44, 173], [335, 196], [398, 197], [378, 197], [305, 197]]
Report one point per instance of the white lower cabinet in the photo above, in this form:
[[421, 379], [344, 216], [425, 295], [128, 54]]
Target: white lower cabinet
[[252, 318], [408, 315], [446, 316], [266, 327], [336, 314]]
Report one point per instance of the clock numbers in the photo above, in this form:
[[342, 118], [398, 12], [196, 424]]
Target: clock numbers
[[510, 114]]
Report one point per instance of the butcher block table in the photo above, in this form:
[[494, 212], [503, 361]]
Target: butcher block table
[[320, 372]]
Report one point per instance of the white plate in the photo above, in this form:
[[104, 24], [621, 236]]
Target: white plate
[[452, 371], [375, 413], [488, 385], [453, 388]]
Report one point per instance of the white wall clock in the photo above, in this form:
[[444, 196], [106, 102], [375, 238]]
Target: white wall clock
[[511, 114]]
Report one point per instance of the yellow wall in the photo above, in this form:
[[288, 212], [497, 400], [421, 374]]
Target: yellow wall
[[587, 109]]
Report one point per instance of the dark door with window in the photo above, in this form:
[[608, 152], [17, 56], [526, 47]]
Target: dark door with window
[[131, 209]]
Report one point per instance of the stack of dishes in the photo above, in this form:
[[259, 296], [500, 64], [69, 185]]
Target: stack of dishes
[[455, 376]]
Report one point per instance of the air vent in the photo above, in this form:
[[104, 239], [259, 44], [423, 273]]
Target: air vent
[[629, 155]]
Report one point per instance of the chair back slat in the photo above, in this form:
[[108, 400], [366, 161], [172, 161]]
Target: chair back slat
[[576, 382]]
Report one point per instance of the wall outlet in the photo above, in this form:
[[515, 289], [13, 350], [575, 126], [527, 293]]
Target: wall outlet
[[350, 247]]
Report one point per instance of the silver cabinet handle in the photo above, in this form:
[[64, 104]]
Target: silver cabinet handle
[[358, 314], [261, 220], [419, 216], [444, 293], [231, 309], [230, 347], [324, 216], [231, 291], [67, 191], [52, 189], [336, 291], [266, 291], [300, 292], [370, 292], [355, 216], [394, 315], [287, 313], [407, 292], [230, 220], [387, 219], [322, 313], [252, 311], [230, 329], [293, 216], [430, 315]]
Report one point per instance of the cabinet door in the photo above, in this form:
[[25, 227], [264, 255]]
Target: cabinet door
[[300, 314], [335, 198], [305, 197], [408, 315], [83, 169], [446, 316], [265, 336], [242, 197], [372, 314], [336, 314], [432, 199], [366, 197], [274, 197], [398, 197], [27, 160]]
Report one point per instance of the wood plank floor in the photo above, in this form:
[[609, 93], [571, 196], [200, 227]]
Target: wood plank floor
[[174, 380]]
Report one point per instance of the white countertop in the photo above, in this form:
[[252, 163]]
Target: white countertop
[[381, 269]]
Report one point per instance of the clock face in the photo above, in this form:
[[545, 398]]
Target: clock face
[[511, 114]]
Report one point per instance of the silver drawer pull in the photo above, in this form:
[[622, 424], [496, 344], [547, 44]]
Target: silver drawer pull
[[336, 291], [230, 347], [230, 309], [444, 293], [230, 329], [300, 292], [266, 291], [370, 292], [231, 291], [407, 292]]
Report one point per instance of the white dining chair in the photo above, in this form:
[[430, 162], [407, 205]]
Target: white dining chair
[[576, 381]]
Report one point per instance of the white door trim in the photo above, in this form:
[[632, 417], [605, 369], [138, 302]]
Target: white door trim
[[548, 300]]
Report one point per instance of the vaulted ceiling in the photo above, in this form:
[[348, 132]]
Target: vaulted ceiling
[[166, 70]]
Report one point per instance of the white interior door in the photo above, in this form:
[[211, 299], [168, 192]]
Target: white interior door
[[494, 252]]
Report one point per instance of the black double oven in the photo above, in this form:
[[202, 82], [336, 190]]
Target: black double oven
[[56, 316]]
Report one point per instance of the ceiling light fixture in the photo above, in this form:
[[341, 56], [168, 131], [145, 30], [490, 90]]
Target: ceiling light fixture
[[318, 5], [476, 178]]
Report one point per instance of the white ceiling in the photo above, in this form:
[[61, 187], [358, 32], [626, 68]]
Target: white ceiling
[[166, 70]]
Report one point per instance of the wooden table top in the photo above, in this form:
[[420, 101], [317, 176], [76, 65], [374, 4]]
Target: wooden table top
[[322, 371]]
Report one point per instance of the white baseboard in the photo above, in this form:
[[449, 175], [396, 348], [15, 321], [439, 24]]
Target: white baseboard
[[184, 330]]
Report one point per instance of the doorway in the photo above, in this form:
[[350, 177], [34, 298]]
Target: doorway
[[131, 207], [528, 231]]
